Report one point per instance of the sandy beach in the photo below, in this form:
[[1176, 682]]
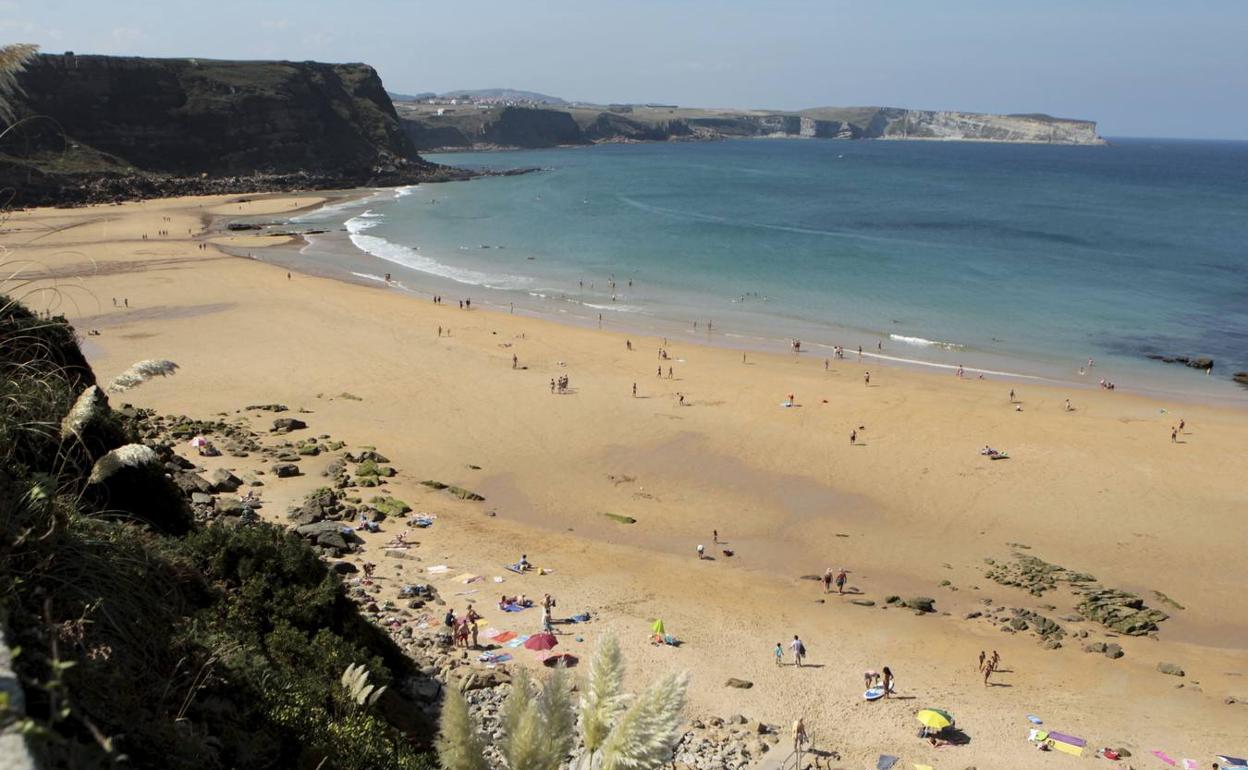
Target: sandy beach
[[910, 509]]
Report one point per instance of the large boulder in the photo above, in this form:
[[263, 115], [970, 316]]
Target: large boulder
[[285, 470], [223, 481], [287, 424]]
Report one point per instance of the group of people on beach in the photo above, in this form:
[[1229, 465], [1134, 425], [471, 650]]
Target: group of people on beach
[[988, 664], [839, 579], [559, 384]]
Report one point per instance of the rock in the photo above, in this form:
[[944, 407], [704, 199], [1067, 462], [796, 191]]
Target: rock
[[1114, 651], [1097, 647], [862, 602], [1201, 362], [264, 407], [921, 603], [191, 482], [344, 567], [285, 470], [202, 498], [972, 615], [1241, 378], [319, 504], [1172, 669], [224, 481], [230, 506], [287, 424], [740, 684]]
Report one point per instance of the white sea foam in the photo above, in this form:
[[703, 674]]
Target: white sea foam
[[409, 257], [614, 306], [369, 276], [403, 192], [924, 342]]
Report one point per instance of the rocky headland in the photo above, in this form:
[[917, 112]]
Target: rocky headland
[[488, 126]]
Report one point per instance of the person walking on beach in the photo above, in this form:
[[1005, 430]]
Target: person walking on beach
[[682, 398], [888, 682], [988, 669], [634, 390], [1174, 435], [853, 437], [841, 577], [982, 656], [799, 651], [827, 580], [1068, 407], [715, 536], [800, 738], [659, 373], [701, 552], [866, 378], [515, 361], [1182, 423], [996, 659], [1011, 395], [628, 344], [779, 653], [669, 372], [825, 364]]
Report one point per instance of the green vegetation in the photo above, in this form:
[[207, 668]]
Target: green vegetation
[[148, 641]]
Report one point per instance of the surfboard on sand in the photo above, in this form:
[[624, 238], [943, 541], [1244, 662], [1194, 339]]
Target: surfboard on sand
[[875, 693]]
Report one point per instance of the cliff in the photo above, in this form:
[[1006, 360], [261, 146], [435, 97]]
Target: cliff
[[468, 126], [154, 124]]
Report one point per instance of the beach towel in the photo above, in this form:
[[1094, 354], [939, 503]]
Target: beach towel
[[1064, 747], [495, 657], [1227, 759], [517, 642], [465, 577], [1190, 764], [923, 767], [1037, 735], [885, 762], [492, 633], [438, 569], [514, 608], [1165, 758], [1072, 740], [513, 568], [504, 637]]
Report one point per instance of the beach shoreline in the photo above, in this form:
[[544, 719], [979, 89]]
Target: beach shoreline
[[1099, 489], [503, 280]]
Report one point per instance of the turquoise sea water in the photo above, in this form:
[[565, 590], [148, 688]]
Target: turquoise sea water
[[1011, 258]]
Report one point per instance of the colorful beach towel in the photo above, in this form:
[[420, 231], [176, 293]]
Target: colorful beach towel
[[1165, 758], [923, 767], [517, 642], [492, 633], [1072, 740], [514, 608], [504, 637], [885, 762], [1190, 764]]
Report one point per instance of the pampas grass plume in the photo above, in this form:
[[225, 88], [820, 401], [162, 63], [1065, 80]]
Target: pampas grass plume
[[141, 372], [128, 456]]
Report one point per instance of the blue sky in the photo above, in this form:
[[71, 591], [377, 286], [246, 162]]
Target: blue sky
[[1138, 67]]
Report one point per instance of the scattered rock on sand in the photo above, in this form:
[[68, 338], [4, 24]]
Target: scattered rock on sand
[[921, 603], [267, 408], [285, 470], [1173, 669], [287, 424], [862, 602], [740, 684], [224, 481], [1114, 651]]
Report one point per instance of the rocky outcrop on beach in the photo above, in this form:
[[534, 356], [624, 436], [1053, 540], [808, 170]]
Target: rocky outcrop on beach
[[103, 128], [478, 126]]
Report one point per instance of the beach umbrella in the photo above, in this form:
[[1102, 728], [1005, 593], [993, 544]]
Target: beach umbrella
[[936, 719], [541, 641], [657, 627]]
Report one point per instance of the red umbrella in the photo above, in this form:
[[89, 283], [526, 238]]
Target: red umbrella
[[541, 641]]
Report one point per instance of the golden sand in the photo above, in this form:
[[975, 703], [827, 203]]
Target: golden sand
[[1100, 489]]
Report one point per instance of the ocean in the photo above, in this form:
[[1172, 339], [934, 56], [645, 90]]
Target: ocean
[[1026, 260]]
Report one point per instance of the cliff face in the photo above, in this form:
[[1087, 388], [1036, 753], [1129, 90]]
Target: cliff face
[[102, 115], [469, 126]]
